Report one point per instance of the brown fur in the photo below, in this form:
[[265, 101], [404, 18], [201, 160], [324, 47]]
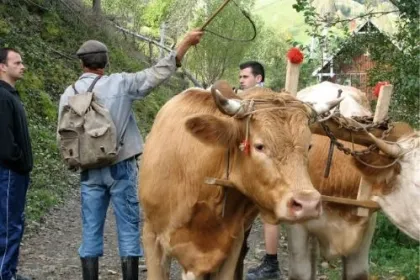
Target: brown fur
[[187, 143], [378, 176], [344, 177], [343, 181]]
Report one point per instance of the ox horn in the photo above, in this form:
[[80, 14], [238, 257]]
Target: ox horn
[[230, 107], [321, 108], [390, 149]]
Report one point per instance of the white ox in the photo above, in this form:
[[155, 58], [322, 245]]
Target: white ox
[[340, 233]]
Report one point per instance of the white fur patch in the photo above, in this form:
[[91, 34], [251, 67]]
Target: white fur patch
[[189, 276], [355, 102], [401, 204]]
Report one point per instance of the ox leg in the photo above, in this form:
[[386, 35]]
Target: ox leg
[[300, 260], [228, 268], [157, 263], [356, 265], [239, 272]]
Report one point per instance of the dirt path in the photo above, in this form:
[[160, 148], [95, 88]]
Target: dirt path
[[49, 250]]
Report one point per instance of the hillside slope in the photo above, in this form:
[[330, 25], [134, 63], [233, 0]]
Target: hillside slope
[[47, 37]]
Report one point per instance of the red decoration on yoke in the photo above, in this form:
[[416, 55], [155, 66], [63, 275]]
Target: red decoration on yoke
[[295, 56], [378, 86]]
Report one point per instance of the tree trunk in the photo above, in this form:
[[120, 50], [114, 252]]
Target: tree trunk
[[96, 7]]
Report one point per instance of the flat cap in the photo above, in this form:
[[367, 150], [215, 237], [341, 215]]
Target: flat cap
[[92, 46]]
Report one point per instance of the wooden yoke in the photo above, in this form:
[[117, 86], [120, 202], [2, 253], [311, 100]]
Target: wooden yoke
[[381, 112], [361, 137]]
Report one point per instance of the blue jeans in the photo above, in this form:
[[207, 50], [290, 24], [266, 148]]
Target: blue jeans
[[13, 188], [118, 184]]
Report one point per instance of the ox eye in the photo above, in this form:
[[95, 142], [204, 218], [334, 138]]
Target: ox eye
[[310, 147], [259, 147]]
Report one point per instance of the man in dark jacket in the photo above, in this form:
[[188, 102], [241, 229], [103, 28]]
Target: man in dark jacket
[[15, 163]]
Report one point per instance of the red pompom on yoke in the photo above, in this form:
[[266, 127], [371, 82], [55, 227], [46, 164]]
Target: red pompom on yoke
[[295, 56], [378, 86]]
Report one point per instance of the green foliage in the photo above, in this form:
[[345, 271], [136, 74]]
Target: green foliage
[[51, 27], [4, 27], [147, 108], [156, 12], [216, 58], [305, 77], [50, 180], [129, 12]]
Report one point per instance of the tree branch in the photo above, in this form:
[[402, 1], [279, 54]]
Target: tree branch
[[61, 54], [144, 38], [361, 16], [192, 79]]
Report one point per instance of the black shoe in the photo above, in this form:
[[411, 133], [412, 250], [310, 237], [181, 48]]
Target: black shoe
[[130, 268], [90, 268], [267, 270]]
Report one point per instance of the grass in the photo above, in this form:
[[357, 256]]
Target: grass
[[393, 256]]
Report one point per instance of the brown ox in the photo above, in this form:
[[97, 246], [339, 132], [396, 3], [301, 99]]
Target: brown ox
[[203, 226], [339, 231]]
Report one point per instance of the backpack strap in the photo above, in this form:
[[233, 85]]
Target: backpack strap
[[74, 88], [92, 85]]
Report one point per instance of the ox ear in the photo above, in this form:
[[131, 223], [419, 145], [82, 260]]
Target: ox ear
[[213, 130], [368, 166]]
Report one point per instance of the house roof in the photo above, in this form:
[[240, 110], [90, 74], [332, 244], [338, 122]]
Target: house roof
[[366, 26]]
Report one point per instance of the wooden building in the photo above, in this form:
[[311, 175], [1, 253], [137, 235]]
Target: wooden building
[[353, 70]]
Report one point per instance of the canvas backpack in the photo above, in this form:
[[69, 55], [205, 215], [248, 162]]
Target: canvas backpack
[[86, 133]]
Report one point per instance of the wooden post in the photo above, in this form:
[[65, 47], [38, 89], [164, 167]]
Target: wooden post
[[382, 107], [292, 77], [294, 59], [381, 111]]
